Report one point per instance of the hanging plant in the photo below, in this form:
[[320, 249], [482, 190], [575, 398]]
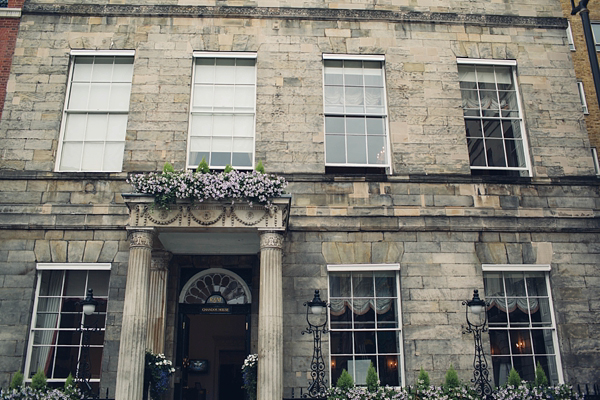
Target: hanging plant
[[158, 370]]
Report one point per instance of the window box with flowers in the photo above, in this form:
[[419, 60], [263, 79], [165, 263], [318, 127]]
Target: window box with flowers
[[170, 185]]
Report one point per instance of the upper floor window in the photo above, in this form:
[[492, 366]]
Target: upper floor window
[[584, 106], [95, 114], [56, 339], [223, 110], [570, 37], [365, 322], [596, 34], [493, 121], [521, 321], [355, 111]]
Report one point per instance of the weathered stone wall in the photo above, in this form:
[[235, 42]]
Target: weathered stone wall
[[424, 101]]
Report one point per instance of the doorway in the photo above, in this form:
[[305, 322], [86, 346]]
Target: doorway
[[212, 349]]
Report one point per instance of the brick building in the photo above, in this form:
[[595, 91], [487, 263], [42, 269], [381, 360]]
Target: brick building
[[10, 12], [583, 71], [431, 149]]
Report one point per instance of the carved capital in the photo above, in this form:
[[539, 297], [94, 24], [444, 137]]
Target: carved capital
[[160, 260], [141, 238], [272, 240]]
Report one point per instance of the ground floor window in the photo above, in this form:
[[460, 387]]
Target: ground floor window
[[521, 321], [55, 339], [365, 322]]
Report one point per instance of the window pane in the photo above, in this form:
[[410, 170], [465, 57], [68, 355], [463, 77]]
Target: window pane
[[492, 128], [334, 99], [362, 284], [244, 97], [476, 152], [338, 364], [102, 70], [79, 96], [113, 156], [360, 368], [223, 125], [514, 150], [75, 128], [357, 152], [70, 159], [376, 149], [385, 284], [82, 70], [387, 342], [502, 367], [335, 149], [499, 342], [119, 97], [205, 70], [334, 125], [543, 342], [540, 314], [245, 71], [99, 95], [515, 284], [520, 342], [495, 152], [497, 311], [389, 374], [75, 283], [204, 97], [548, 364], [117, 127], [339, 285], [202, 125], [341, 342], [93, 154], [364, 314], [225, 70], [364, 342], [473, 127], [96, 127], [243, 126], [341, 314], [511, 129], [224, 96], [536, 284], [525, 367], [123, 69]]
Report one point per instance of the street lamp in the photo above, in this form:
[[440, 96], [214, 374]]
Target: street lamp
[[476, 315], [84, 366], [583, 11], [317, 388]]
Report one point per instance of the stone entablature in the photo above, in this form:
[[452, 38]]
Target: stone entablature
[[223, 214]]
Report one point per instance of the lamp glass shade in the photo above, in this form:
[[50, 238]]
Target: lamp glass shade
[[477, 309], [316, 309], [88, 309]]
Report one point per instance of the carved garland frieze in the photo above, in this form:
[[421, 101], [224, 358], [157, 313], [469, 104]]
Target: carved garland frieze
[[210, 215]]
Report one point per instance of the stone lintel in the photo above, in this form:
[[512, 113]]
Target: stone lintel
[[127, 10]]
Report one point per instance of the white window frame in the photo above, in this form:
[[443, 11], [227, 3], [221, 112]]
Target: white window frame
[[400, 329], [89, 53], [360, 57], [595, 159], [584, 106], [40, 268], [546, 269], [513, 65], [570, 37], [229, 55]]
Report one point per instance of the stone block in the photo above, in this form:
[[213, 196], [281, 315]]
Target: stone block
[[58, 250]]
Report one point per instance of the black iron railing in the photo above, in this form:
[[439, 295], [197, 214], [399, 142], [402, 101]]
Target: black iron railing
[[589, 392]]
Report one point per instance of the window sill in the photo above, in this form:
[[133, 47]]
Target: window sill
[[10, 13]]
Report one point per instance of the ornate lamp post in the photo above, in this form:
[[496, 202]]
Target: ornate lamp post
[[84, 367], [476, 315], [317, 387]]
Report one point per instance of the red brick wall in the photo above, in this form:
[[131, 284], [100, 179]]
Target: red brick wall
[[9, 27]]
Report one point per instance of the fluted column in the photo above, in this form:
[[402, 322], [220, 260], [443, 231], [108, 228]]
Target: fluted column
[[270, 318], [157, 301], [134, 328]]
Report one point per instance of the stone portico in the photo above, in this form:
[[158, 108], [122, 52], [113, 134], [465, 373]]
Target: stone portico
[[144, 319]]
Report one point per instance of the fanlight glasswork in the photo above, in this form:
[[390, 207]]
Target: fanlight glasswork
[[215, 280]]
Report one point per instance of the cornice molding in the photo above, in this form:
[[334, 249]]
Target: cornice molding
[[123, 10], [10, 13]]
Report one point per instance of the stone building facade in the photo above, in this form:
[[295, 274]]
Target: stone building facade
[[392, 212]]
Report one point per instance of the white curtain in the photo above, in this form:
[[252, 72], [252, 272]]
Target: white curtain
[[361, 306]]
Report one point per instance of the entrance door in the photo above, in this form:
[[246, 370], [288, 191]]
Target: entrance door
[[214, 348]]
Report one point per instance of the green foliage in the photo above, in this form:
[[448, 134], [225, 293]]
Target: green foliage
[[345, 381], [423, 381], [260, 168], [372, 379], [203, 166], [228, 168], [17, 380], [168, 168], [452, 380], [513, 378], [70, 389], [540, 376], [38, 382]]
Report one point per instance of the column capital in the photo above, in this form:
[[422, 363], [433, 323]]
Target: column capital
[[141, 237], [271, 239], [160, 260]]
